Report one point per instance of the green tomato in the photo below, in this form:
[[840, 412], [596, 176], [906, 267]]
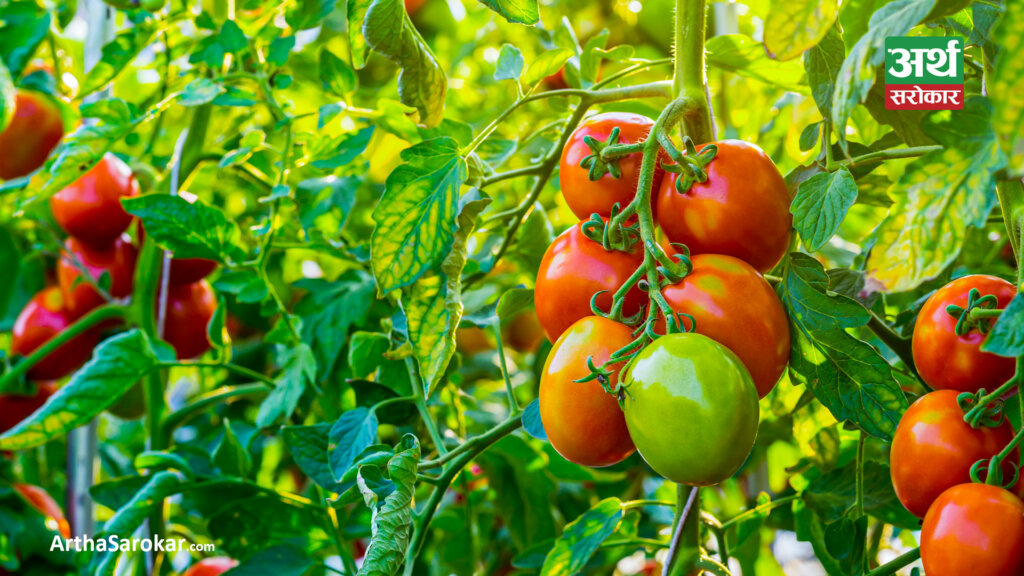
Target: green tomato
[[691, 408]]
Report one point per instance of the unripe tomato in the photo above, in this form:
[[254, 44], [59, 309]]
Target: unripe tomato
[[572, 270], [212, 566], [974, 529], [189, 270], [734, 305], [14, 407], [43, 503], [44, 317], [34, 131], [116, 259], [741, 210], [947, 361], [90, 208], [189, 309], [585, 196], [582, 421], [933, 450], [691, 408]]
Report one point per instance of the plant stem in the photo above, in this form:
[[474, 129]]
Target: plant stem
[[513, 404], [421, 405], [896, 564], [235, 368], [859, 480], [684, 553], [762, 508], [881, 156], [474, 444], [175, 419], [900, 346], [689, 80], [1011, 200]]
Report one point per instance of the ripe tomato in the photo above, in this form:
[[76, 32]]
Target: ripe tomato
[[189, 309], [583, 422], [573, 269], [735, 306], [42, 502], [947, 361], [974, 529], [90, 208], [212, 566], [523, 332], [934, 449], [741, 210], [14, 408], [413, 6], [44, 317], [189, 270], [585, 196], [691, 408], [116, 259], [34, 131]]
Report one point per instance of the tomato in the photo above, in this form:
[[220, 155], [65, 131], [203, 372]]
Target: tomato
[[974, 529], [43, 503], [90, 208], [735, 306], [947, 361], [585, 196], [189, 309], [582, 421], [44, 317], [116, 259], [523, 332], [14, 407], [573, 269], [189, 270], [691, 408], [741, 210], [212, 566], [934, 449], [413, 6], [34, 131], [472, 340]]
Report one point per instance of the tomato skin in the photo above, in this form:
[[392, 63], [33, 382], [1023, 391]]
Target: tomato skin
[[572, 270], [947, 361], [585, 196], [34, 131], [691, 408], [43, 318], [741, 210], [90, 208], [14, 407], [189, 309], [933, 450], [189, 270], [212, 566], [974, 529], [116, 259], [43, 503], [735, 306], [523, 333], [582, 421]]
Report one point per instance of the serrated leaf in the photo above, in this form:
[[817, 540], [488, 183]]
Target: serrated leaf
[[308, 446], [820, 206], [797, 25], [23, 27], [742, 55], [391, 520], [546, 64], [119, 53], [833, 495], [299, 372], [822, 63], [1007, 336], [1006, 87], [189, 229], [329, 310], [515, 11], [350, 434], [336, 76], [581, 538], [510, 63], [523, 488]]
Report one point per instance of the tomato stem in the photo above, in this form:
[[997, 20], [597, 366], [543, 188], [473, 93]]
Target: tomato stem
[[881, 156], [897, 564]]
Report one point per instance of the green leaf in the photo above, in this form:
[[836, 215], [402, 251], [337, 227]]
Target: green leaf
[[308, 14], [742, 55], [822, 64], [797, 25], [119, 53], [189, 229], [324, 204], [350, 434], [1006, 84], [809, 136], [247, 285], [280, 49], [421, 83], [356, 13], [230, 456], [833, 495], [1007, 336], [742, 530], [391, 520], [342, 150], [117, 364], [416, 217], [231, 37], [200, 91], [523, 490], [366, 352], [820, 206], [515, 11], [336, 76], [510, 63], [308, 445], [299, 372], [581, 538], [23, 27], [546, 64], [845, 374], [8, 97], [280, 560], [329, 310], [532, 423]]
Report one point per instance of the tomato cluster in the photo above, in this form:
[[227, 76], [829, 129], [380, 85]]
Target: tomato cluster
[[736, 225]]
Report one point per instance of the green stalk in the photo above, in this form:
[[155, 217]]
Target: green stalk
[[690, 77], [896, 564], [684, 554]]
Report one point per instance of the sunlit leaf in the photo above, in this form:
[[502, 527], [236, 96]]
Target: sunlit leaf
[[797, 25], [391, 520], [1006, 87], [581, 538], [820, 205], [742, 55], [189, 229]]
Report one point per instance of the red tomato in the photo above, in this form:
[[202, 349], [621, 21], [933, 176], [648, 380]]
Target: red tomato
[[34, 131], [42, 502], [947, 361], [189, 309], [583, 422], [117, 260], [189, 270], [43, 318], [14, 408], [585, 196], [90, 208], [741, 210], [573, 269], [735, 306], [212, 566], [934, 449], [974, 529], [413, 6]]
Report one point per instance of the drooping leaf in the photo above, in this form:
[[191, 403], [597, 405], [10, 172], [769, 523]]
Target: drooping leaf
[[391, 520], [820, 205], [190, 230], [795, 26], [581, 537]]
